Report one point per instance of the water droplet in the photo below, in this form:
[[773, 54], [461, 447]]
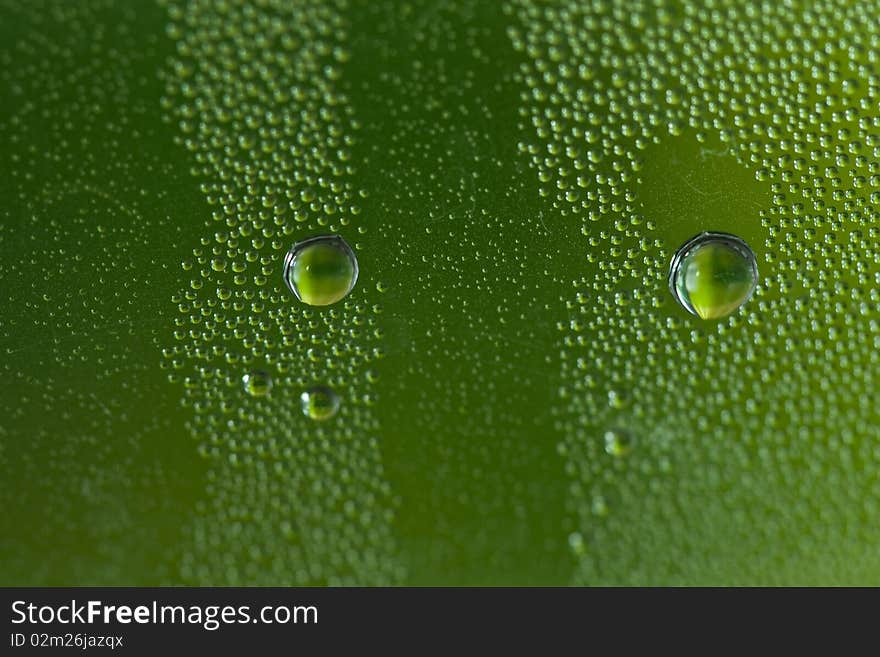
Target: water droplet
[[618, 399], [321, 270], [577, 544], [599, 506], [618, 442], [319, 403], [257, 383], [713, 274]]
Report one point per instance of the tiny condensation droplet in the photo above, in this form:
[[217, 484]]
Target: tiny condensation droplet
[[257, 383], [320, 270], [319, 402], [713, 274]]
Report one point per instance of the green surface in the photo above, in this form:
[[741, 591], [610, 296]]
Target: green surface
[[521, 400]]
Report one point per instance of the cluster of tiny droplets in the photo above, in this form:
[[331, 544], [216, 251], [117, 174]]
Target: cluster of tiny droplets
[[80, 471], [753, 441], [255, 91], [461, 379]]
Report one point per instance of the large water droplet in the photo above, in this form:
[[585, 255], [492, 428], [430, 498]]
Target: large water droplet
[[713, 274], [319, 402], [618, 442], [257, 383], [321, 270]]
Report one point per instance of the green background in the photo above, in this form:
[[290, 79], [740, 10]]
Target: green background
[[514, 178]]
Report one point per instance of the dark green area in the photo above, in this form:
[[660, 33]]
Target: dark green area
[[471, 374], [100, 474]]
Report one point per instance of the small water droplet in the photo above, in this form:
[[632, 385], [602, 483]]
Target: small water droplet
[[321, 270], [713, 274]]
